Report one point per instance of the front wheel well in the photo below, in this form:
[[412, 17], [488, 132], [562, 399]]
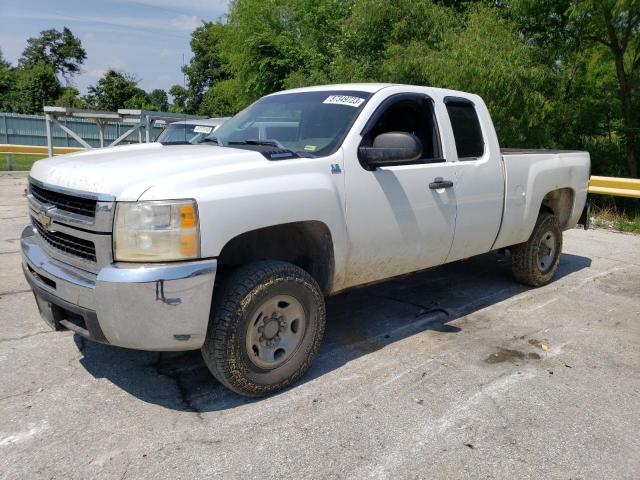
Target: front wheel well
[[307, 244]]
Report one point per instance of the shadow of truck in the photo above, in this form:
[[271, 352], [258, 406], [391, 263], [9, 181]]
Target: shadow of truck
[[359, 322]]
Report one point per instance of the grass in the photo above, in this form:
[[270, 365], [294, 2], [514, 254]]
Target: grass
[[20, 162], [613, 219]]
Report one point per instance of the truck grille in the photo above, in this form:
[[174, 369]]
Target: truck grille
[[62, 201], [67, 243]]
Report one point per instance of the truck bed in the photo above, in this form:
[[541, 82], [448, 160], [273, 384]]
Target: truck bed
[[529, 175]]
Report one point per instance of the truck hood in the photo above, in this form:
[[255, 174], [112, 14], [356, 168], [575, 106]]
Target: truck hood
[[126, 172]]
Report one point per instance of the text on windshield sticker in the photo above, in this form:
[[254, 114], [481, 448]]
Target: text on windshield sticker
[[344, 100], [201, 129]]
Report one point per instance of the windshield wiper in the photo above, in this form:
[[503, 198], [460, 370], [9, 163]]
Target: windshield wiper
[[281, 152], [266, 142], [284, 151]]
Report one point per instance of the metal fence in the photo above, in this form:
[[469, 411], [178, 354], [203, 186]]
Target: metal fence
[[22, 129]]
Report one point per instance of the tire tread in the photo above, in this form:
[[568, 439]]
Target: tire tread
[[217, 350], [524, 255]]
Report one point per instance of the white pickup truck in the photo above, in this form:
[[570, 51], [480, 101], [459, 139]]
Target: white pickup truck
[[231, 245]]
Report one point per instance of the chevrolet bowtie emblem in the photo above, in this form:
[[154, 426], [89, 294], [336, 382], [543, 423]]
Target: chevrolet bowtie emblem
[[43, 218]]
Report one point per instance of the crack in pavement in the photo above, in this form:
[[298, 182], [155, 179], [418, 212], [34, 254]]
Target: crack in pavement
[[14, 395], [424, 310], [81, 348], [13, 339], [126, 468], [14, 292]]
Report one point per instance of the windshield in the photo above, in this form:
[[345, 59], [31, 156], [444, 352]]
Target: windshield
[[181, 133], [306, 123]]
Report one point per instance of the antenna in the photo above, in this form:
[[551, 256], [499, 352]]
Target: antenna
[[184, 86]]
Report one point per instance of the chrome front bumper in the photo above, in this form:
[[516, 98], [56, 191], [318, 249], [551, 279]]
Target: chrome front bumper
[[146, 307]]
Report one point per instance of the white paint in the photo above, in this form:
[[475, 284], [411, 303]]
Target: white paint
[[23, 436]]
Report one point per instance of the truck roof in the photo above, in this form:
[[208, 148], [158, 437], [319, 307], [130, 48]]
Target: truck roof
[[363, 87], [371, 88]]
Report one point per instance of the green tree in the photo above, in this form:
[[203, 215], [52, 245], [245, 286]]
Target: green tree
[[7, 82], [70, 97], [159, 99], [616, 25], [140, 100], [113, 91], [34, 88], [376, 26], [3, 62], [206, 67], [517, 90], [264, 46], [180, 96], [62, 50], [589, 40]]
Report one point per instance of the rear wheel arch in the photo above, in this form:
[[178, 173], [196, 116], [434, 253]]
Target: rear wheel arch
[[559, 202]]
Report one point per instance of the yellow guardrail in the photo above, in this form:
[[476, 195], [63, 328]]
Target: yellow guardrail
[[35, 149], [620, 187]]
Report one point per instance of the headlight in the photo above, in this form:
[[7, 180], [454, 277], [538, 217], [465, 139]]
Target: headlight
[[156, 231]]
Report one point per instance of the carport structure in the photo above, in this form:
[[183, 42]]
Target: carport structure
[[143, 120]]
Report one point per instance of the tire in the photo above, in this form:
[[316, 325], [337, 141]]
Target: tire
[[529, 263], [241, 349]]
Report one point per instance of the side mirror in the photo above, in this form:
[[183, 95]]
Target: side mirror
[[393, 148]]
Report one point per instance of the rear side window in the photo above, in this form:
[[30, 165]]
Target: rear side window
[[466, 129]]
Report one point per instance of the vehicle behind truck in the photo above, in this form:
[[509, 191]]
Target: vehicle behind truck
[[194, 131], [231, 245]]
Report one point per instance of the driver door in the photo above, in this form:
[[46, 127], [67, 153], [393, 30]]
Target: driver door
[[396, 223]]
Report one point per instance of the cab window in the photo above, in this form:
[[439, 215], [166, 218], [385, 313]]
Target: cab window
[[411, 114], [466, 129]]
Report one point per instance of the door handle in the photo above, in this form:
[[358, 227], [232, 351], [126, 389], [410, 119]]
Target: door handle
[[440, 183]]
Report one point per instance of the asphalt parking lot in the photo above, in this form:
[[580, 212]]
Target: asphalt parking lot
[[453, 373]]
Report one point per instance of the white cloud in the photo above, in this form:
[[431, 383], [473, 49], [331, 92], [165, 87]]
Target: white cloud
[[186, 22], [180, 23], [94, 72], [211, 6]]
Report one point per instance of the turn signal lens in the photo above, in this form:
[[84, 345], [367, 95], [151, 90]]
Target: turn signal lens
[[187, 216]]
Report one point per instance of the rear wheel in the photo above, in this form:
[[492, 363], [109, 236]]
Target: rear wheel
[[535, 261], [266, 328]]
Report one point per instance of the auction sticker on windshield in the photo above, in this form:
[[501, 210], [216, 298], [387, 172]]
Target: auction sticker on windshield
[[201, 129], [344, 100]]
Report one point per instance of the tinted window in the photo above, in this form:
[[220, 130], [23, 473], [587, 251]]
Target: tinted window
[[411, 115], [466, 130]]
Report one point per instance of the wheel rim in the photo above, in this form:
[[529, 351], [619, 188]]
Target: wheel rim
[[275, 331], [546, 251]]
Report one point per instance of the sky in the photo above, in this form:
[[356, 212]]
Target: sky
[[147, 38]]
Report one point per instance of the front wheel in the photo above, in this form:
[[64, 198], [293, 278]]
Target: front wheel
[[535, 261], [266, 328]]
